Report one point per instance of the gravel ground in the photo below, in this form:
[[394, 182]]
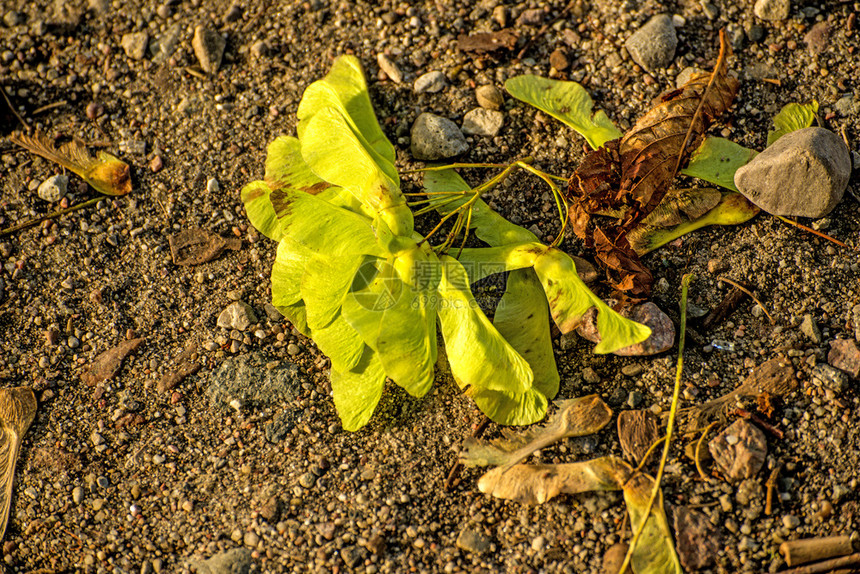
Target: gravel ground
[[126, 477]]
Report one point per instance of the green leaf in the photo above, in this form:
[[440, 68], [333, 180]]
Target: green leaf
[[324, 285], [285, 167], [258, 206], [567, 102], [790, 118], [569, 299], [322, 228], [481, 262], [297, 315], [522, 318], [341, 343], [340, 156], [489, 226], [287, 271], [655, 552], [717, 160], [345, 88], [397, 321], [357, 391], [482, 362]]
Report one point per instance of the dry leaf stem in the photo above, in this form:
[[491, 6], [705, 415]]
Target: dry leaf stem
[[38, 220], [812, 231], [698, 454], [670, 426], [748, 292]]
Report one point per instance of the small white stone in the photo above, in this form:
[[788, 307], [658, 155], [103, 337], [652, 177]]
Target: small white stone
[[212, 185]]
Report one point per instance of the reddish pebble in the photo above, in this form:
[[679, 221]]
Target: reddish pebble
[[130, 334], [175, 398], [96, 296], [64, 203]]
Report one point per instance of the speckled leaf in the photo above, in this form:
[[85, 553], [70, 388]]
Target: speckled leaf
[[717, 160], [792, 117], [567, 102], [482, 362], [522, 318], [357, 391], [569, 299]]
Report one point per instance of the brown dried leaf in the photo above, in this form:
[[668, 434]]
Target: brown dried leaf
[[17, 411], [631, 176], [109, 363], [484, 42], [195, 246], [575, 417], [637, 431], [186, 365]]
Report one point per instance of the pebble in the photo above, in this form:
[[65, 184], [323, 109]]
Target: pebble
[[711, 11], [234, 561], [209, 48], [212, 185], [590, 376], [810, 328], [260, 49], [32, 493], [472, 541], [483, 122], [156, 164], [830, 377], [78, 495], [251, 539], [489, 97], [307, 480], [632, 370], [54, 188], [804, 174], [135, 44], [238, 315], [653, 45], [772, 10], [818, 38], [531, 17], [538, 543], [94, 110], [293, 349], [743, 455], [790, 521], [558, 60], [431, 82], [845, 356], [662, 329], [435, 137], [697, 540], [390, 68]]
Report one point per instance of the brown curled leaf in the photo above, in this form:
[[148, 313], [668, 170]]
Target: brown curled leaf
[[628, 178], [109, 363], [196, 246]]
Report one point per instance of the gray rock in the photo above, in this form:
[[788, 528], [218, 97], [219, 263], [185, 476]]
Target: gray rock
[[278, 428], [483, 122], [810, 328], [209, 48], [472, 541], [830, 378], [531, 17], [54, 188], [711, 12], [653, 45], [235, 561], [489, 97], [431, 82], [391, 70], [135, 44], [803, 174], [163, 46], [662, 329], [739, 450], [13, 18], [772, 10], [237, 315], [435, 137], [245, 381], [847, 105]]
